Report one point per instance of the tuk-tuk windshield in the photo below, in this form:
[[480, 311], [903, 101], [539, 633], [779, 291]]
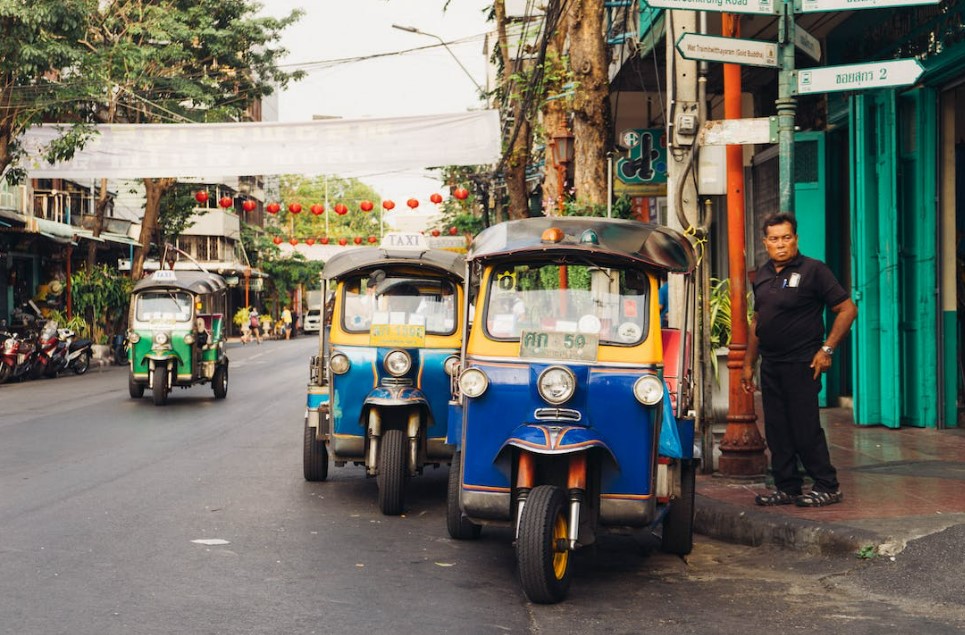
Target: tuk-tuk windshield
[[399, 300], [609, 302], [163, 305]]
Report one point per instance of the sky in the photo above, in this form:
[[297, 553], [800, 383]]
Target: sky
[[424, 82]]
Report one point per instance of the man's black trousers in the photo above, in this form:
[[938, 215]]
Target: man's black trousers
[[793, 427]]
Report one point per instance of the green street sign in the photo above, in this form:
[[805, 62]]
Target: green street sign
[[829, 79]]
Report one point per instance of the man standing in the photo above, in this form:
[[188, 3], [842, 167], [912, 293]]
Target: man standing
[[791, 292]]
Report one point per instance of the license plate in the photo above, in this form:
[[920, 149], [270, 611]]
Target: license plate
[[564, 346]]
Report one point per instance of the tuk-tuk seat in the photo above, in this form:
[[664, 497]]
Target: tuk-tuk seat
[[672, 341]]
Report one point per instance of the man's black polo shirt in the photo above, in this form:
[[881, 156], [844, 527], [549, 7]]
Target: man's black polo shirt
[[790, 308]]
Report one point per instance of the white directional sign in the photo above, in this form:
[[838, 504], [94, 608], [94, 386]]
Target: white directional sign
[[815, 6], [830, 79], [727, 49], [807, 43], [738, 132], [723, 6]]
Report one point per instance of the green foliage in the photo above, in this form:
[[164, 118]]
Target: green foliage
[[288, 273], [868, 552], [720, 318], [178, 205], [77, 324], [311, 191], [102, 296], [622, 208]]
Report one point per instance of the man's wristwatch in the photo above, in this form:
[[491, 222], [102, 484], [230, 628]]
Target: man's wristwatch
[[828, 350]]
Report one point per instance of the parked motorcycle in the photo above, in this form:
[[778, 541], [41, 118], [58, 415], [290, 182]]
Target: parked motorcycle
[[19, 357], [60, 351], [78, 351]]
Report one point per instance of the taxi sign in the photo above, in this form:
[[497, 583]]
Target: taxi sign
[[405, 240], [164, 275]]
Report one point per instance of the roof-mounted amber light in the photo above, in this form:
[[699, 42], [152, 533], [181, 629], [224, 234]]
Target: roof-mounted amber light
[[552, 235]]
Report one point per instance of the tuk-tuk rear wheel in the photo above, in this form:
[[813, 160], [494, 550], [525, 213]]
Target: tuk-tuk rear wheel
[[219, 383], [391, 478], [314, 456], [159, 389], [460, 527], [677, 536], [542, 552]]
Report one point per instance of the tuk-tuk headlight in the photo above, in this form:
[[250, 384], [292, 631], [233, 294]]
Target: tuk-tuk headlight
[[133, 337], [473, 382], [397, 363], [339, 363], [556, 384], [451, 365], [162, 339], [189, 339], [648, 390]]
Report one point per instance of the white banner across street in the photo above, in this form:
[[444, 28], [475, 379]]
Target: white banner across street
[[343, 147]]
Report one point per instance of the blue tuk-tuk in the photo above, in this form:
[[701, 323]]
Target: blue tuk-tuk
[[562, 416], [380, 386]]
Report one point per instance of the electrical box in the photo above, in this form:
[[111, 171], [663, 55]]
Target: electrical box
[[712, 171]]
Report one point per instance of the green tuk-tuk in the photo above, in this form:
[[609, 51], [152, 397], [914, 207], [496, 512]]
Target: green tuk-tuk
[[177, 334]]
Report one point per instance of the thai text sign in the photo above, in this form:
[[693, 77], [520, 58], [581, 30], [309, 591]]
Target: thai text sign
[[565, 346], [404, 335], [829, 79]]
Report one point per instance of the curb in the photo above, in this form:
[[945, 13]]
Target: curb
[[753, 528]]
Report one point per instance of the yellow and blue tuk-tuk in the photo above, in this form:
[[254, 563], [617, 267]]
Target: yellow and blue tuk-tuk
[[380, 385], [177, 333], [562, 416]]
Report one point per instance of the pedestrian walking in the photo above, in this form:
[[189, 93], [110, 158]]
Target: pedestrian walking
[[286, 320], [254, 324], [791, 292]]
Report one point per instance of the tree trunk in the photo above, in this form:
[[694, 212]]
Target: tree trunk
[[154, 189], [100, 210], [554, 123], [591, 101], [517, 157]]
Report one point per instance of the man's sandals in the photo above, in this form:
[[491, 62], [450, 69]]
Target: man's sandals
[[811, 499]]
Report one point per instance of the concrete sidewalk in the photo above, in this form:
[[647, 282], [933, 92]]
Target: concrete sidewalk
[[898, 485]]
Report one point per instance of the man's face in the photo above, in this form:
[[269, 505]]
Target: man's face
[[781, 243]]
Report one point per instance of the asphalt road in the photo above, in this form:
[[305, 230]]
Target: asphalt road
[[102, 500]]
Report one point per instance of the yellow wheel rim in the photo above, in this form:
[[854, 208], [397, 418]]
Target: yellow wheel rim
[[561, 557]]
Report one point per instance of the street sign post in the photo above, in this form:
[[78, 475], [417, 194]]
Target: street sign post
[[828, 79], [721, 6], [816, 6], [728, 50]]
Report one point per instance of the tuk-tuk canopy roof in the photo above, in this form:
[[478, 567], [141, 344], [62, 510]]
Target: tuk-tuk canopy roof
[[651, 245], [348, 262], [197, 282]]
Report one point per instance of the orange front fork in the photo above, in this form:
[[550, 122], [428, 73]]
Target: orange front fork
[[575, 485]]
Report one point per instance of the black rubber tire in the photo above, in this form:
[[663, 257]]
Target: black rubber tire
[[160, 389], [391, 478], [219, 383], [135, 388], [460, 527], [82, 364], [5, 372], [677, 536], [544, 569], [314, 456]]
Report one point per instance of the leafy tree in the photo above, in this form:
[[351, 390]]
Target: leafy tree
[[312, 191], [178, 206], [289, 273], [39, 51], [180, 60], [101, 295]]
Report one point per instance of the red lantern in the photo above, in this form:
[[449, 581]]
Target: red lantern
[[342, 241], [453, 231], [436, 198], [201, 197], [413, 203], [324, 240], [272, 208], [317, 209], [366, 206], [340, 209], [435, 232], [309, 241], [293, 241], [224, 202], [461, 193], [248, 206], [295, 208], [387, 205], [372, 239], [357, 240], [276, 240]]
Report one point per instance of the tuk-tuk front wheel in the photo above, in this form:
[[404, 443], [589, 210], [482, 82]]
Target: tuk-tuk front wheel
[[392, 469], [314, 456], [542, 549], [219, 383], [135, 388], [460, 527], [159, 389]]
